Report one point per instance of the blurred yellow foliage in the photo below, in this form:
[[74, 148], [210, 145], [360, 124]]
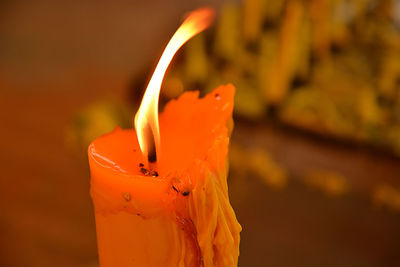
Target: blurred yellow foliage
[[327, 66], [94, 120], [331, 183], [387, 195], [172, 88], [259, 163]]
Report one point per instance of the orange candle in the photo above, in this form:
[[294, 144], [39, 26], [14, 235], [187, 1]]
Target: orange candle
[[160, 193]]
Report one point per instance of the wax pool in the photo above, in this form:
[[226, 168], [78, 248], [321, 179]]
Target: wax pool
[[176, 213]]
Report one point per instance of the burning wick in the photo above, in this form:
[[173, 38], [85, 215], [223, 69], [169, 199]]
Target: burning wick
[[146, 119], [151, 155]]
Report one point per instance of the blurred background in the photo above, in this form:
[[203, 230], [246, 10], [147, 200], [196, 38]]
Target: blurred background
[[315, 173]]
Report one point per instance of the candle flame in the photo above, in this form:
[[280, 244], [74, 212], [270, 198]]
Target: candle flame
[[146, 119]]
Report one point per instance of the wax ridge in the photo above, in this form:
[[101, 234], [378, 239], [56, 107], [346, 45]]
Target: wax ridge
[[208, 208]]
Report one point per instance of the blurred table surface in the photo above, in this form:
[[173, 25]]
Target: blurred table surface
[[58, 57]]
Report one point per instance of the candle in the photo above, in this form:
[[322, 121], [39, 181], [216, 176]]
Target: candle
[[160, 193]]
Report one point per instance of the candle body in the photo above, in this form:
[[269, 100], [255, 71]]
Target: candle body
[[182, 217], [126, 239]]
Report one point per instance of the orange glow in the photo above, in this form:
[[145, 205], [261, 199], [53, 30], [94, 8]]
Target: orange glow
[[146, 119]]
